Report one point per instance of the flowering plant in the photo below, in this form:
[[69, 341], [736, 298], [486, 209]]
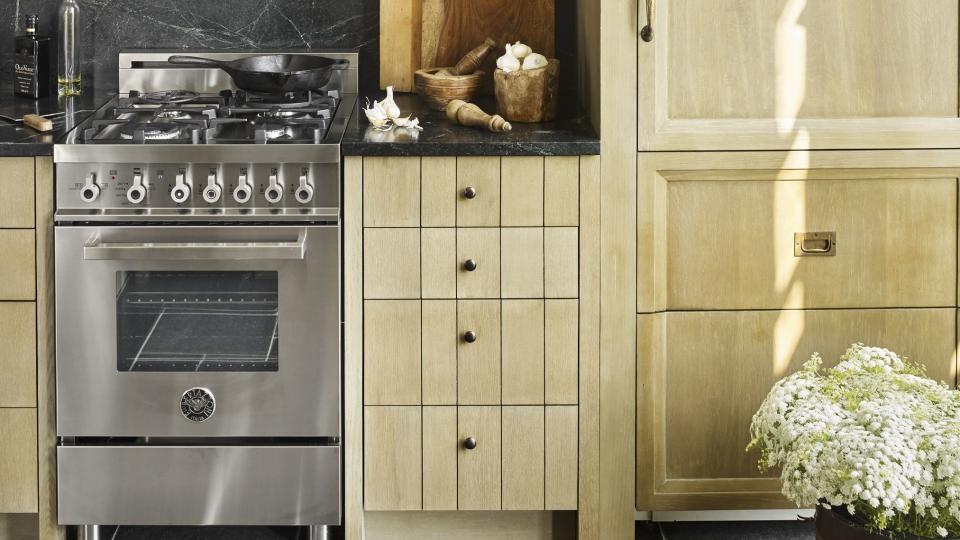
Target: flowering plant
[[872, 435]]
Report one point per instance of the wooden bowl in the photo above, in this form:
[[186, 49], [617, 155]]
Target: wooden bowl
[[528, 96], [438, 87]]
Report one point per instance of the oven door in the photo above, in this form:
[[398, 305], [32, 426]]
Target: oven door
[[198, 331]]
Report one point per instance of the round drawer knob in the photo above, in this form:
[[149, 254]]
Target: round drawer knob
[[470, 265], [469, 443], [469, 336], [470, 192]]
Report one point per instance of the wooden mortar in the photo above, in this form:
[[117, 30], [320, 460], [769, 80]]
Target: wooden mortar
[[438, 86], [528, 95]]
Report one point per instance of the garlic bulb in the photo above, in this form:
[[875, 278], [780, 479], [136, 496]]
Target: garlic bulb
[[389, 105], [520, 51], [508, 62], [534, 61], [385, 115]]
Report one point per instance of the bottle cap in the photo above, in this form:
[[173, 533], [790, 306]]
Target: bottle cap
[[32, 23]]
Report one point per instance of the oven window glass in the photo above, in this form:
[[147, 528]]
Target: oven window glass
[[197, 321]]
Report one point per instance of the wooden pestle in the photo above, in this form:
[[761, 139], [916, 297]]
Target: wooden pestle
[[473, 59], [468, 114]]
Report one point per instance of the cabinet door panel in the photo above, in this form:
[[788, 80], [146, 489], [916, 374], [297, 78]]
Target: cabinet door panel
[[798, 74], [438, 263], [521, 266], [18, 362], [440, 458], [440, 352], [702, 376], [561, 262], [18, 265], [391, 263], [561, 191], [391, 352], [16, 193], [560, 458], [561, 355], [391, 192], [478, 362], [523, 344], [521, 189], [393, 458], [482, 174], [482, 246], [523, 458], [18, 468], [478, 469], [438, 192]]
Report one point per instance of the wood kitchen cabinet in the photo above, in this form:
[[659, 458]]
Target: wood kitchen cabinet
[[732, 297], [780, 74], [471, 340], [27, 421]]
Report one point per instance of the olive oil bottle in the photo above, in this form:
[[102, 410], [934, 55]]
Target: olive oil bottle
[[33, 76]]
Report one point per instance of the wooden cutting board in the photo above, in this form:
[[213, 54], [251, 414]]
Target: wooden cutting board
[[418, 34]]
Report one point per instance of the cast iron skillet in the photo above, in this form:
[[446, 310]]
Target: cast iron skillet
[[273, 73]]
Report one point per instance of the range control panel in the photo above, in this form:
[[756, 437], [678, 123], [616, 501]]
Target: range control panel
[[197, 186]]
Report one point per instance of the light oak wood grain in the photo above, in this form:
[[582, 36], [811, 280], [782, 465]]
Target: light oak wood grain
[[561, 359], [16, 193], [18, 468], [478, 363], [399, 43], [438, 192], [522, 262], [391, 352], [810, 75], [521, 190], [523, 458], [725, 362], [393, 457], [440, 458], [479, 469], [18, 264], [438, 263], [523, 352], [18, 363], [481, 245], [561, 191], [560, 265], [730, 245], [391, 263], [482, 174], [492, 525], [353, 347], [560, 458], [439, 352], [48, 528], [391, 191]]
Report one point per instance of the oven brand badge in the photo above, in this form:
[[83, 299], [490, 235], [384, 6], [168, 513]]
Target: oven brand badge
[[197, 404]]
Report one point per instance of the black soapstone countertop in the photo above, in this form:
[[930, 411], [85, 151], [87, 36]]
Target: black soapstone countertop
[[17, 140], [571, 134]]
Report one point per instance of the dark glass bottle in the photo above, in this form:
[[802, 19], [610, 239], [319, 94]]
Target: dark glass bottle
[[33, 76]]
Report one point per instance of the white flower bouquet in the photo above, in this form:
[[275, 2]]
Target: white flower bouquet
[[872, 437]]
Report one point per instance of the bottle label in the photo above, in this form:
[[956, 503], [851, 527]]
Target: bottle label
[[25, 75]]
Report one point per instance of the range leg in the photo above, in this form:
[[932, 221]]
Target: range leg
[[319, 532]]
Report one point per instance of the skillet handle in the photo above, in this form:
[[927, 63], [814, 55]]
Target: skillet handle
[[341, 64], [194, 60]]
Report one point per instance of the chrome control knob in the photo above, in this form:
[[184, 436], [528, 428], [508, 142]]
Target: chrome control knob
[[304, 193], [91, 189], [137, 192], [213, 191], [274, 191], [243, 191], [181, 190]]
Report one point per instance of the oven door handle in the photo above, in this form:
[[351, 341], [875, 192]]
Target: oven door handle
[[96, 250]]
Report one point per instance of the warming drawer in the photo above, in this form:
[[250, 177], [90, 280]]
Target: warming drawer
[[199, 485]]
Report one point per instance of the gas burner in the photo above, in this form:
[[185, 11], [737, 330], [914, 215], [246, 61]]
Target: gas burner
[[172, 114], [169, 96], [277, 113], [151, 131]]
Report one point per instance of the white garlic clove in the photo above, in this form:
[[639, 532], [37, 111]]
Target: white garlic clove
[[520, 50], [389, 105], [508, 62], [534, 61]]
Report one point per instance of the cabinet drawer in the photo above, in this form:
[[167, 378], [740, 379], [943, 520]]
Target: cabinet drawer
[[18, 264], [391, 352], [726, 231], [18, 363], [478, 352], [16, 193], [702, 376], [18, 467], [478, 259]]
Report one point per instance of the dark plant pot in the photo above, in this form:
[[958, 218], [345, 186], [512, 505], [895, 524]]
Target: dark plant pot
[[837, 524]]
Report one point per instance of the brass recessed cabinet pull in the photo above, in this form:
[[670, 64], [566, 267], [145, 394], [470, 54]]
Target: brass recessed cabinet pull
[[815, 244], [646, 33]]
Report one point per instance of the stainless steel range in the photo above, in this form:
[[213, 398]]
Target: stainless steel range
[[198, 301]]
